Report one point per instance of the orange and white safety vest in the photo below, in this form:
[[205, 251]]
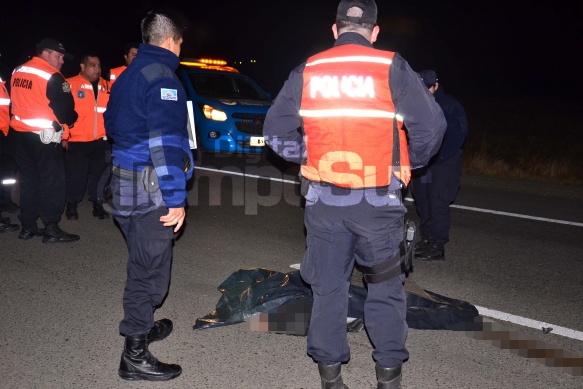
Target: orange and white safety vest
[[114, 74], [30, 105], [350, 120], [89, 126], [4, 108]]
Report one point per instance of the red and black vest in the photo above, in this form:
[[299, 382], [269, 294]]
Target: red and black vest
[[351, 128]]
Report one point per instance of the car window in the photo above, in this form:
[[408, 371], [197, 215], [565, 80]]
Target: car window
[[226, 86]]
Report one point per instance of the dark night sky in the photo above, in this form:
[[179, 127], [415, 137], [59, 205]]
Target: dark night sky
[[487, 45]]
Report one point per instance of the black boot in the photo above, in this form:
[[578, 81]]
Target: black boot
[[423, 244], [71, 211], [29, 234], [54, 234], [162, 328], [98, 211], [6, 226], [388, 377], [434, 252], [137, 363], [331, 377]]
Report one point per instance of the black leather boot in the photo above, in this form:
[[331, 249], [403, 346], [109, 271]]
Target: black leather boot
[[331, 377], [71, 211], [6, 226], [137, 363], [98, 211], [54, 234], [388, 377], [434, 252], [162, 328]]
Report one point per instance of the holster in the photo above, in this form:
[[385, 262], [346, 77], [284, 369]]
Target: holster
[[385, 271]]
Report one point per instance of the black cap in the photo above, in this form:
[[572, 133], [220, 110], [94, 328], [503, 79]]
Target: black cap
[[429, 77], [368, 7], [54, 45]]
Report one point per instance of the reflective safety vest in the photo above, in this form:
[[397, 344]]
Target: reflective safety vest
[[350, 123], [89, 126], [4, 108], [30, 105], [114, 74]]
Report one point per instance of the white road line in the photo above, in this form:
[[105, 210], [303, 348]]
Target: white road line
[[247, 175], [409, 199], [525, 322], [517, 215]]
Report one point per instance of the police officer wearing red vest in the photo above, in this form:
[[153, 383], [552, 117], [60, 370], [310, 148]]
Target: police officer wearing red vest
[[88, 150], [5, 225], [41, 105], [130, 52], [340, 115]]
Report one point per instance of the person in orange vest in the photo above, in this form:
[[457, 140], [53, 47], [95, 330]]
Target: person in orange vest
[[87, 148], [340, 115], [130, 52], [5, 225], [41, 105]]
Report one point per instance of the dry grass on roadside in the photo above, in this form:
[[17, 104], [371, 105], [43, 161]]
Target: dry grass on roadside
[[540, 164]]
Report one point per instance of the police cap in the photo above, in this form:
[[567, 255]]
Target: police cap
[[52, 44], [368, 7], [429, 77]]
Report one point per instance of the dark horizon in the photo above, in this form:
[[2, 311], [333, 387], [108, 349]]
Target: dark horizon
[[493, 49]]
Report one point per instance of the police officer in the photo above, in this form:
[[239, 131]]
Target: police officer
[[41, 105], [435, 186], [5, 225], [349, 103], [146, 116], [88, 150], [129, 53]]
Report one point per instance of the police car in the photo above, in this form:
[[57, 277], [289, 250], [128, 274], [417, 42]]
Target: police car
[[229, 108]]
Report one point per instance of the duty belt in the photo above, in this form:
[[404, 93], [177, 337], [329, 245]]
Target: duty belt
[[147, 177], [125, 174]]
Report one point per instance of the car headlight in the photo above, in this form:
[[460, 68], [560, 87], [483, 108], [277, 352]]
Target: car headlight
[[213, 113]]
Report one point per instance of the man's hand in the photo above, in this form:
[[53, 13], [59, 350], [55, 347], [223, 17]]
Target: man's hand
[[65, 144], [175, 217]]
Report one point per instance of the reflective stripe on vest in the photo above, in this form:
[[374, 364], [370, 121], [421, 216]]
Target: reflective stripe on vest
[[37, 123], [4, 101], [37, 72]]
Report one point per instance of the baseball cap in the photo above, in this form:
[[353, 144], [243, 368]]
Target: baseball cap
[[52, 44], [429, 77], [368, 7]]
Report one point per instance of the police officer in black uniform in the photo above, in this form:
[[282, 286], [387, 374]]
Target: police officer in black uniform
[[436, 185], [349, 103]]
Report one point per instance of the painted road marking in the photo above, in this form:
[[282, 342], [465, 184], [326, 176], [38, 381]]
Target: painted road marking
[[409, 199]]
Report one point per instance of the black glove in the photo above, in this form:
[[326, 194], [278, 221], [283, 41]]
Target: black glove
[[57, 126]]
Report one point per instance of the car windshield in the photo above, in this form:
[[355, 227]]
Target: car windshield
[[226, 86]]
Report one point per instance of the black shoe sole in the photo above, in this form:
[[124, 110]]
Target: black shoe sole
[[73, 217], [146, 377], [7, 230], [430, 259], [53, 241]]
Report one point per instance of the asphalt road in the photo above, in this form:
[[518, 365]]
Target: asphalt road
[[61, 304]]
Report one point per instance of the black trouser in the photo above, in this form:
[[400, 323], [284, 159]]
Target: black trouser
[[367, 232], [7, 169], [150, 252], [42, 178], [85, 163], [434, 190]]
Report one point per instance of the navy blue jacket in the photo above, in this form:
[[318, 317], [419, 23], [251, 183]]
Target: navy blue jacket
[[146, 116], [457, 126], [422, 116]]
